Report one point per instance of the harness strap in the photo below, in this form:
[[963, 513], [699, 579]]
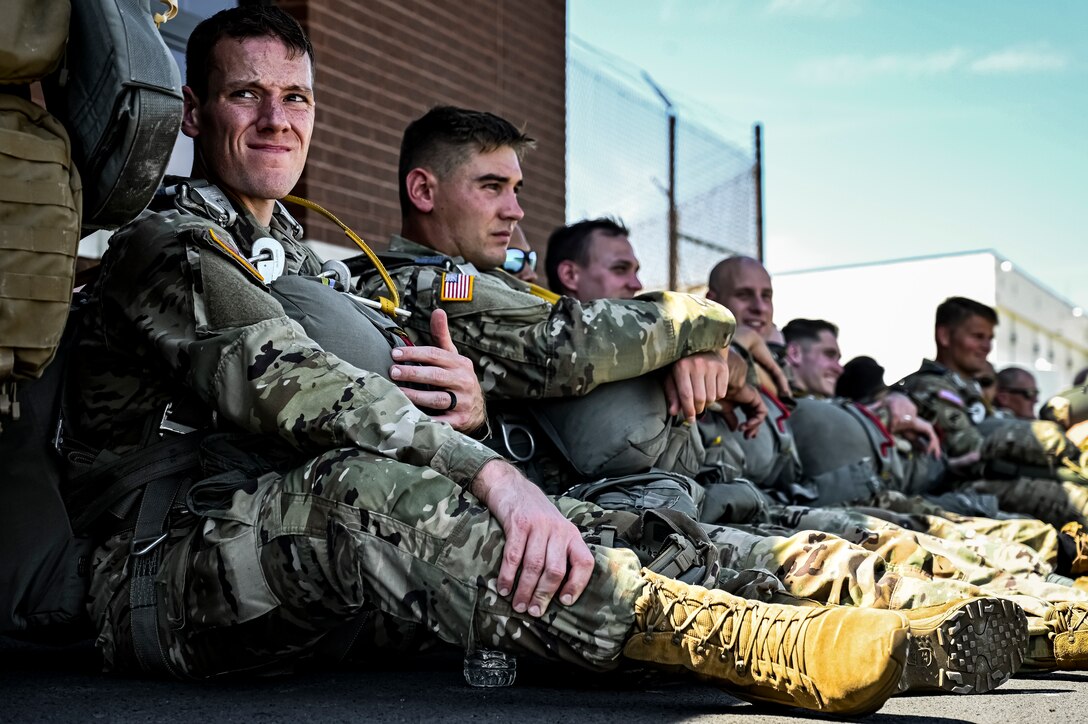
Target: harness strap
[[144, 561], [163, 460]]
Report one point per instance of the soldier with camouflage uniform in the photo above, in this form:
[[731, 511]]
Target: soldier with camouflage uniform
[[346, 498], [513, 330], [1031, 466]]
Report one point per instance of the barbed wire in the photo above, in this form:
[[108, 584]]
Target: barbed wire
[[617, 165]]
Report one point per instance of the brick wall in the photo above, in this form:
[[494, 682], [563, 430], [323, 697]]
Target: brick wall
[[382, 63]]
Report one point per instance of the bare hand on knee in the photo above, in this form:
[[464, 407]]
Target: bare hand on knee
[[544, 552]]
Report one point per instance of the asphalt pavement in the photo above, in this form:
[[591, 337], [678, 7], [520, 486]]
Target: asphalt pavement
[[49, 685]]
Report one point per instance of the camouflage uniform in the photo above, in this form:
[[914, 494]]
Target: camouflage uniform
[[375, 517], [529, 346], [1020, 449]]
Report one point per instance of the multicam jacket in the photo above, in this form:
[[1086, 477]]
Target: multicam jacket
[[532, 345], [178, 315], [953, 405]]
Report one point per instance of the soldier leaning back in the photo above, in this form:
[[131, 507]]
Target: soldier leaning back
[[390, 510]]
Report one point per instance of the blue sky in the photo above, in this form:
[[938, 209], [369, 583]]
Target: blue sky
[[892, 129]]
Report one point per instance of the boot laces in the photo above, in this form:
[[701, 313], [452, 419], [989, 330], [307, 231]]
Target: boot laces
[[1068, 619], [765, 641]]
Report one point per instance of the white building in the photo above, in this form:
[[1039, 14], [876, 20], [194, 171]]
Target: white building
[[886, 309]]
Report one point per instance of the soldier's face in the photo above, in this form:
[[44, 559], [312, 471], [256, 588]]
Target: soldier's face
[[816, 363], [968, 345], [611, 272], [749, 296], [1020, 397], [253, 129], [476, 206]]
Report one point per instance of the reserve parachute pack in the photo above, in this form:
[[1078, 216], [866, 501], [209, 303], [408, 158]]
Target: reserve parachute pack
[[118, 92], [83, 58]]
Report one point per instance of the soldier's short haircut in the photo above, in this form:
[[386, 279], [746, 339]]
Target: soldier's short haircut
[[807, 330], [1009, 377], [248, 21], [573, 242], [446, 136], [723, 270], [954, 311]]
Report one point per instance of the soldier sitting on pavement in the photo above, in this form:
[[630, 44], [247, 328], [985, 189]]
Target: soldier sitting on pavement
[[459, 172], [338, 496], [834, 570], [1031, 466]]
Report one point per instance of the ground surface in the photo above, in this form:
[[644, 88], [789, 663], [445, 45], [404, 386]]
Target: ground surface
[[39, 686]]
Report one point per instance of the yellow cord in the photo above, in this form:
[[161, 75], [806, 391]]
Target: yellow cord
[[387, 305]]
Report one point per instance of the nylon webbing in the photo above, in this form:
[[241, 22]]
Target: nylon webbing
[[144, 560]]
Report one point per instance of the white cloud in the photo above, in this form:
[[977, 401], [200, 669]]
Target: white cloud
[[1024, 59], [845, 69], [814, 8], [852, 68]]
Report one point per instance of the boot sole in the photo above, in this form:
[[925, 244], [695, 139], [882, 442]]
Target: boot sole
[[976, 649]]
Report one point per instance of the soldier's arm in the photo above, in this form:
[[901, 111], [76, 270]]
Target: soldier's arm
[[524, 346], [941, 405], [229, 341]]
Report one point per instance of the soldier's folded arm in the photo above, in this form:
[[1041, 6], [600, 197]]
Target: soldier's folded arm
[[526, 347]]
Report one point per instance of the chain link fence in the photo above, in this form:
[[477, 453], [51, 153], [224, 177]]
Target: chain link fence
[[618, 165]]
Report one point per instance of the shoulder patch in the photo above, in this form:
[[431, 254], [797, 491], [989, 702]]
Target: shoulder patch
[[949, 396], [227, 247], [455, 287]]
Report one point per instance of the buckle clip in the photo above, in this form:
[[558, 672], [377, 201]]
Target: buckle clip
[[143, 546]]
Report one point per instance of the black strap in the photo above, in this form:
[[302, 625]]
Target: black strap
[[145, 558], [162, 460]]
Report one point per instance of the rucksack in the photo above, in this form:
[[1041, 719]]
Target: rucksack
[[118, 90], [32, 39], [40, 206], [118, 93]]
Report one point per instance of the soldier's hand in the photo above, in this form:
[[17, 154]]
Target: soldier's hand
[[748, 399], [694, 382], [771, 375], [543, 549], [458, 397]]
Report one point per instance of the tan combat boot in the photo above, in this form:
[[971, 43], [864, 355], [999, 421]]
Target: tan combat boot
[[1059, 642], [969, 646], [1076, 531], [828, 658]]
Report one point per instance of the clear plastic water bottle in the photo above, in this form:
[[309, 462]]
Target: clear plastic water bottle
[[488, 668]]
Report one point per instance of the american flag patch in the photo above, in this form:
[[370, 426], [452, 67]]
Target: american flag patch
[[949, 396], [456, 288]]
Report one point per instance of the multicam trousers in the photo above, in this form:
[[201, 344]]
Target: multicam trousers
[[257, 584], [874, 564]]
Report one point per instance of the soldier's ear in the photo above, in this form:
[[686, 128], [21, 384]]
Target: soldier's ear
[[190, 116], [944, 336], [568, 273], [793, 353], [420, 185]]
